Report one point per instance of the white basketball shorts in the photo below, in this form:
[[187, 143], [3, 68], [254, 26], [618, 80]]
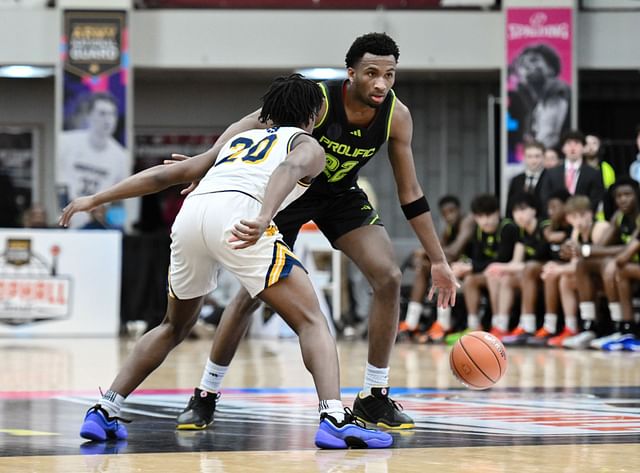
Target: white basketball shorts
[[200, 246]]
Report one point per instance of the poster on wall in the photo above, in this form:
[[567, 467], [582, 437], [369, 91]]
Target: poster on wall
[[539, 79], [93, 152], [59, 282], [18, 147]]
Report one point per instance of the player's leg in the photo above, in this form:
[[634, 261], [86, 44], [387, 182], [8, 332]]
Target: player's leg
[[294, 299], [370, 248], [622, 319], [532, 272], [586, 270], [472, 287], [422, 268], [626, 275], [101, 421], [526, 325], [569, 301]]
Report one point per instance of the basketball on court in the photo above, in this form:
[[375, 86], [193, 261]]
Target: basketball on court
[[478, 360]]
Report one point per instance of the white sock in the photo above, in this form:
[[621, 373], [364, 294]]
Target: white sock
[[444, 318], [414, 312], [588, 311], [473, 322], [616, 311], [528, 322], [332, 407], [571, 323], [111, 402], [551, 322], [375, 377], [500, 321], [212, 377]]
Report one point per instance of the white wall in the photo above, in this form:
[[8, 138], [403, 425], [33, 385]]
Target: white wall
[[251, 39]]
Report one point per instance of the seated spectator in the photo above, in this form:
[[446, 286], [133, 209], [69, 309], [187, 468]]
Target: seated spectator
[[493, 240], [531, 179], [593, 157], [551, 158], [503, 279], [598, 260], [628, 263], [555, 231], [559, 273], [574, 175]]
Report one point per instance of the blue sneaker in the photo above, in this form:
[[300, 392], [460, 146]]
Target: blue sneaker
[[617, 344], [631, 344], [99, 426], [350, 433]]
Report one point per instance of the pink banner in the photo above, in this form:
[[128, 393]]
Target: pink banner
[[539, 77]]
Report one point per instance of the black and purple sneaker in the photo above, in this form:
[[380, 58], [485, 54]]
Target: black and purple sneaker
[[350, 433]]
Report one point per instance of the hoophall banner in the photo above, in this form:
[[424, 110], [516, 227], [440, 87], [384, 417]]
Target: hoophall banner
[[60, 282], [93, 150], [539, 81]]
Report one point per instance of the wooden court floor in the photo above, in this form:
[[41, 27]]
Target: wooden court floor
[[554, 411]]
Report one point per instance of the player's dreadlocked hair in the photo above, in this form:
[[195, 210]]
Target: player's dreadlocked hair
[[291, 100], [379, 44]]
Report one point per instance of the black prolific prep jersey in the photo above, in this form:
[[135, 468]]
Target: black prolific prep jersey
[[347, 147], [487, 248]]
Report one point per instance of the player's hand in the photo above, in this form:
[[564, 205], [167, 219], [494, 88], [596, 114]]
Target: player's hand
[[248, 232], [444, 282], [176, 158], [81, 204]]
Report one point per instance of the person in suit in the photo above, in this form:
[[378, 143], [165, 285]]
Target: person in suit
[[574, 175], [530, 181]]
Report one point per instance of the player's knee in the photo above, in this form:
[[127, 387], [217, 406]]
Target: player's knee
[[388, 282]]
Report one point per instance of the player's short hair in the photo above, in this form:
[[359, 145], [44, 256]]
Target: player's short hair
[[484, 204], [448, 199], [573, 135], [101, 96], [561, 194], [535, 144], [549, 55], [624, 181], [523, 200], [292, 100], [578, 204], [379, 44]]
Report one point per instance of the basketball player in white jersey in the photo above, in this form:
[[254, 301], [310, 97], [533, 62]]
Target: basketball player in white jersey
[[226, 222]]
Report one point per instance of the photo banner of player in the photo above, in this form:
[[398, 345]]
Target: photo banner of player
[[93, 146], [539, 77]]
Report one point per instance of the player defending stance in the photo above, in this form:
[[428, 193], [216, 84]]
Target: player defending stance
[[358, 116], [226, 222]]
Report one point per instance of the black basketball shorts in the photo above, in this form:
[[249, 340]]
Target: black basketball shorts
[[335, 214]]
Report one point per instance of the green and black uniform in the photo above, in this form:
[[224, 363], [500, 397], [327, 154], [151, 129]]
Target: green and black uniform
[[626, 226], [334, 201], [551, 251], [534, 243], [487, 248]]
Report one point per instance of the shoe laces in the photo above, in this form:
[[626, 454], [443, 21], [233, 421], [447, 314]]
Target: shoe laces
[[349, 418]]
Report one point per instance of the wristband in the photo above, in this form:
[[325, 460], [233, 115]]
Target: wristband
[[585, 250], [415, 208]]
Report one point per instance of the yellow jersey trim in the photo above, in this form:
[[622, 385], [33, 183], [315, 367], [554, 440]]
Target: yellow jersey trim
[[319, 123], [393, 106]]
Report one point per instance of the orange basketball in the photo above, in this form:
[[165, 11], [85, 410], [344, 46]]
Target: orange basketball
[[478, 360]]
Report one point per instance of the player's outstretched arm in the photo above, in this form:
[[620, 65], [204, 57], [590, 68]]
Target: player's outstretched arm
[[306, 160], [149, 181], [409, 191]]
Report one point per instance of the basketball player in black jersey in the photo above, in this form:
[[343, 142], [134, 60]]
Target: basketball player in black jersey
[[358, 116]]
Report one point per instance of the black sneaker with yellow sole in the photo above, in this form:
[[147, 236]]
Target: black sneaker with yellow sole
[[379, 409], [198, 414]]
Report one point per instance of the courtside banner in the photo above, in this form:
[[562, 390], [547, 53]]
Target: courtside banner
[[60, 282], [93, 149], [539, 80]]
